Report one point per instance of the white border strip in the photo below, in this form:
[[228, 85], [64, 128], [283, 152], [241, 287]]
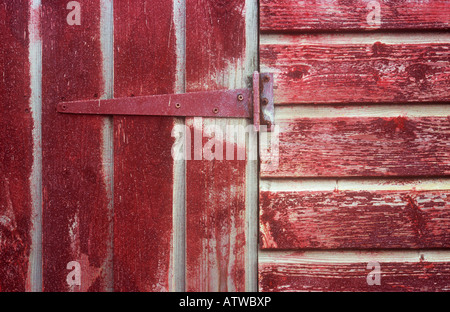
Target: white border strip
[[289, 112], [286, 257], [178, 253], [251, 174], [35, 59], [355, 38], [349, 184], [107, 48]]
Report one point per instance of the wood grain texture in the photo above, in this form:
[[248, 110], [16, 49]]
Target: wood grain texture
[[330, 15], [145, 63], [366, 146], [16, 147], [321, 71], [323, 272], [354, 219], [215, 189], [75, 203]]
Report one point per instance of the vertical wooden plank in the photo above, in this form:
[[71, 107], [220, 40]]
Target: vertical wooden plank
[[217, 56], [75, 201], [16, 146], [348, 271], [145, 63]]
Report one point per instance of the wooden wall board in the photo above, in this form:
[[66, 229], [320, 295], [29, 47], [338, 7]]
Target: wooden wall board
[[145, 64], [75, 202], [366, 146], [425, 271], [217, 57], [16, 147], [366, 219], [353, 69], [353, 15]]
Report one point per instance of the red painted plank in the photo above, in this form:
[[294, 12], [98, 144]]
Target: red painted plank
[[215, 189], [145, 62], [75, 203], [366, 146], [318, 70], [355, 219], [313, 15], [16, 146], [295, 272]]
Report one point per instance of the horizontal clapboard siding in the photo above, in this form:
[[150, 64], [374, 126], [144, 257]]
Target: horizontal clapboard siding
[[313, 15], [354, 219], [362, 94], [366, 146], [336, 69], [344, 271]]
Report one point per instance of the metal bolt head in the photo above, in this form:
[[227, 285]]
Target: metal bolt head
[[265, 101], [266, 79], [215, 110], [240, 97], [178, 105]]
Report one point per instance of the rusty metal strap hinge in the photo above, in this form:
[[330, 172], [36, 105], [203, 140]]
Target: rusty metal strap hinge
[[256, 103]]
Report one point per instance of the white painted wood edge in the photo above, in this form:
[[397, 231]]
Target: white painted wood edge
[[291, 257], [178, 252], [34, 283], [349, 184], [356, 38], [291, 112]]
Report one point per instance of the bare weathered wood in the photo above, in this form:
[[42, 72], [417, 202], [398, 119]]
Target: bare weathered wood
[[76, 211], [318, 70], [145, 64], [366, 146], [354, 219], [16, 147], [344, 271], [331, 15]]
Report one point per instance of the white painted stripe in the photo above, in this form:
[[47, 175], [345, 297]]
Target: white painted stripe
[[341, 256], [107, 48], [289, 112], [356, 38], [35, 59], [349, 184], [251, 174], [178, 253]]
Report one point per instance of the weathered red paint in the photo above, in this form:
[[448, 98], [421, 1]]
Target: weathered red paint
[[324, 72], [355, 219], [215, 190], [144, 64], [313, 15], [305, 275], [366, 146], [16, 146], [75, 203]]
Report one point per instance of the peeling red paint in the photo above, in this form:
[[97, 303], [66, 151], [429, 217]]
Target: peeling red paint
[[354, 219], [215, 190], [312, 15], [375, 73], [16, 146], [75, 203], [366, 146], [352, 276], [144, 64]]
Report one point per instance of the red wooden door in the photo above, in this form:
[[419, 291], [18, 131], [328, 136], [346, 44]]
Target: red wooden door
[[98, 203], [359, 200]]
